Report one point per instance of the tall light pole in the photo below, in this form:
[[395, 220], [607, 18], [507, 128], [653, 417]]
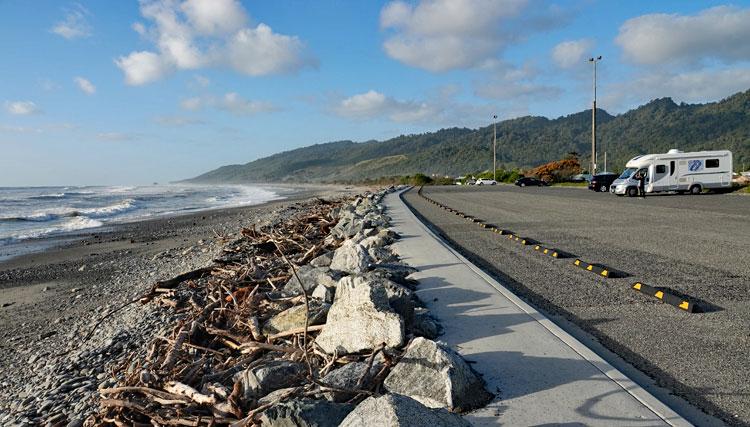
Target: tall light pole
[[593, 119], [494, 147]]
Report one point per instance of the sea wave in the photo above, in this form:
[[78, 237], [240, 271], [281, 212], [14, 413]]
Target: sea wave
[[60, 213], [53, 196], [73, 224]]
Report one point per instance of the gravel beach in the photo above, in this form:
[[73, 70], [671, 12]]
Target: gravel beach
[[694, 246], [52, 299]]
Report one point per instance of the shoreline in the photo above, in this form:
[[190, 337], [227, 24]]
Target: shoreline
[[50, 300]]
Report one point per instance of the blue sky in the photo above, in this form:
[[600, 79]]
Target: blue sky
[[129, 92]]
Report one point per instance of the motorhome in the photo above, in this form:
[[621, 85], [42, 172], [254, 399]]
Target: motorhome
[[676, 171]]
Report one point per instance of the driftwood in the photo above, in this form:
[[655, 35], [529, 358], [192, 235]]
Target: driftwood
[[189, 374]]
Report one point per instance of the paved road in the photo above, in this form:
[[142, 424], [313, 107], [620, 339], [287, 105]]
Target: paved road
[[695, 245]]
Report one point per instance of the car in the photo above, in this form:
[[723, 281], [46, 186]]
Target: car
[[602, 181], [484, 181], [529, 181], [581, 177]]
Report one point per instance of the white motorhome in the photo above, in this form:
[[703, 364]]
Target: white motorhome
[[676, 171]]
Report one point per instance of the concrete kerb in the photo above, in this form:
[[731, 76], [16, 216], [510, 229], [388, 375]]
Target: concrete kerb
[[666, 297], [662, 410]]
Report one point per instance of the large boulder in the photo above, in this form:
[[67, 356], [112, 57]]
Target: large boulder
[[346, 377], [351, 258], [394, 410], [399, 297], [437, 376], [360, 318], [293, 318], [424, 324], [310, 277], [305, 413], [395, 272], [277, 374]]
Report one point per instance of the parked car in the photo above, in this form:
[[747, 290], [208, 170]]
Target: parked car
[[602, 181], [581, 177], [483, 181], [529, 181]]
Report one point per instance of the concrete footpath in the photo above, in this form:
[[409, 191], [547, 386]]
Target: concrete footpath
[[540, 374]]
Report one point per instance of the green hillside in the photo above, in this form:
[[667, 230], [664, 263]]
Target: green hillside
[[523, 142]]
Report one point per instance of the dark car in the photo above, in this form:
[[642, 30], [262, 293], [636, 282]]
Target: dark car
[[602, 181], [528, 181]]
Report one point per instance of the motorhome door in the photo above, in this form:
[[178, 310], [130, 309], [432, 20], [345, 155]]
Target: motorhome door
[[660, 179]]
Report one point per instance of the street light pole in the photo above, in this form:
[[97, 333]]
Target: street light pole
[[494, 148], [593, 119]]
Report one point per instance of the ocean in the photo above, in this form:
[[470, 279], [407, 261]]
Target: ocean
[[37, 212]]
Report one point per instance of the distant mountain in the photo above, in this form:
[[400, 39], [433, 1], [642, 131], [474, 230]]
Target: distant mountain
[[523, 142]]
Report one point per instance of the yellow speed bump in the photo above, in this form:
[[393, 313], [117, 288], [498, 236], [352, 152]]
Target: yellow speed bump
[[666, 297], [602, 271]]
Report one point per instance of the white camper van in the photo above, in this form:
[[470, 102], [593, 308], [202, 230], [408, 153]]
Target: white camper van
[[676, 171]]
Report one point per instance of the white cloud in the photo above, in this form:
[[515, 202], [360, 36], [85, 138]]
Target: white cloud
[[113, 136], [373, 104], [193, 104], [238, 105], [215, 16], [570, 53], [691, 87], [260, 51], [19, 129], [197, 34], [515, 84], [201, 81], [85, 85], [21, 108], [717, 33], [75, 24], [177, 121], [231, 102], [142, 67], [441, 35]]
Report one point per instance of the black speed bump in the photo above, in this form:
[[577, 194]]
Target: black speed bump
[[518, 239], [602, 271], [665, 297], [547, 251]]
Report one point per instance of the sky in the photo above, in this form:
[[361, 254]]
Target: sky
[[133, 92]]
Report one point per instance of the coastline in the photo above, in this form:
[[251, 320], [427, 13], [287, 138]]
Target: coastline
[[50, 300]]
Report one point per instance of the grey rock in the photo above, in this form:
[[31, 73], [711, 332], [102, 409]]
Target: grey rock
[[261, 380], [373, 241], [381, 254], [311, 277], [437, 376], [347, 377], [399, 298], [393, 410], [305, 413], [395, 272], [322, 260], [360, 318], [424, 325], [294, 317], [350, 257], [324, 293]]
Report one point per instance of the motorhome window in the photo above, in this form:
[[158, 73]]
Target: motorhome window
[[627, 173], [712, 163], [661, 169], [671, 168]]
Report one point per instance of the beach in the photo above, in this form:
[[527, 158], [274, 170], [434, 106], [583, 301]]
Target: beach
[[51, 300]]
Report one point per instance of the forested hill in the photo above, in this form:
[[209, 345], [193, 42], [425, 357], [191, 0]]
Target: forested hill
[[523, 142]]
